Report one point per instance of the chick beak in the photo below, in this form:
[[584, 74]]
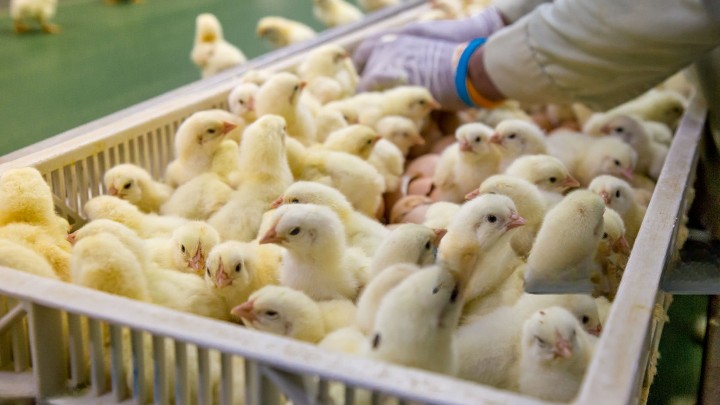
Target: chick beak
[[419, 140], [227, 127], [250, 105], [434, 105], [302, 85], [245, 311], [472, 195], [278, 202], [606, 197], [113, 191], [71, 237], [376, 139], [197, 262], [221, 278], [496, 138], [439, 234], [596, 331], [465, 145], [271, 237], [627, 173], [621, 245], [515, 221], [605, 129], [562, 348], [570, 182]]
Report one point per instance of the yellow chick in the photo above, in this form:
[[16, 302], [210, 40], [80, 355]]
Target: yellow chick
[[280, 95], [529, 203], [328, 121], [199, 198], [416, 321], [146, 225], [101, 262], [618, 195], [280, 32], [373, 5], [587, 157], [330, 61], [464, 165], [515, 138], [408, 243], [612, 254], [360, 231], [555, 352], [546, 172], [265, 175], [317, 261], [54, 249], [211, 52], [401, 131], [17, 256], [665, 106], [358, 140], [332, 13], [413, 102], [241, 101], [286, 312], [235, 270], [25, 197], [41, 10], [187, 249], [134, 184], [389, 161], [562, 256], [489, 345], [373, 293], [197, 140]]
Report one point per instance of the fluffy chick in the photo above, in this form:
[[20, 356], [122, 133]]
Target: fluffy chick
[[464, 165], [280, 95], [19, 257], [146, 225], [280, 32], [416, 321], [335, 12], [619, 195], [328, 121], [241, 101], [517, 137], [546, 172], [199, 198], [54, 249], [413, 102], [361, 231], [554, 354], [211, 52], [665, 106], [265, 175], [389, 162], [358, 140], [572, 231], [330, 61], [612, 254], [588, 157], [196, 142], [133, 183], [187, 249], [317, 261], [235, 270], [401, 131], [408, 243], [41, 10]]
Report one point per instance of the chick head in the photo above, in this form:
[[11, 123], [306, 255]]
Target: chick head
[[517, 137], [282, 88], [474, 138], [418, 242], [25, 197], [550, 334], [310, 192], [616, 193], [273, 29], [327, 59], [207, 28], [204, 129], [282, 311], [612, 156], [191, 244], [125, 182], [349, 113], [547, 172], [242, 99], [416, 101], [613, 239], [526, 196], [487, 217], [304, 227], [229, 264], [668, 107], [627, 128], [401, 131], [358, 140]]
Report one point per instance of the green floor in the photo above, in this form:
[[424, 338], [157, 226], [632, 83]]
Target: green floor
[[108, 58]]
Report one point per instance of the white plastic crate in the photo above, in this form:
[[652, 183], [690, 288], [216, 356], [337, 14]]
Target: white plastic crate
[[35, 350]]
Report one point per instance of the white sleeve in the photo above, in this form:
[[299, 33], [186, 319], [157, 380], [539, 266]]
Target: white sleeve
[[600, 53]]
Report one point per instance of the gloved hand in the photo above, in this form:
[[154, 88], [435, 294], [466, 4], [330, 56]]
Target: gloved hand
[[480, 25], [392, 60]]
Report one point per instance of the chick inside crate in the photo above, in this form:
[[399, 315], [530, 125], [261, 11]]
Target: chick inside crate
[[307, 220]]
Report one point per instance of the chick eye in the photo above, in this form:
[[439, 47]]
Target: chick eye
[[369, 141], [294, 201], [296, 88], [182, 248], [238, 267], [553, 179], [271, 313], [346, 118], [427, 245], [512, 136], [127, 185], [585, 319], [242, 102], [617, 162], [422, 102], [492, 219], [677, 110], [295, 231], [540, 341], [605, 235], [208, 271], [617, 194], [620, 129], [211, 130], [284, 128], [478, 139]]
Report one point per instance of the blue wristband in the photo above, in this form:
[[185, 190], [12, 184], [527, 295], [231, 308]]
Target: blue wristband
[[462, 69]]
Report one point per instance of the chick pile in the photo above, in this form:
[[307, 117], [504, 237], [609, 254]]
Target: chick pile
[[373, 223]]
